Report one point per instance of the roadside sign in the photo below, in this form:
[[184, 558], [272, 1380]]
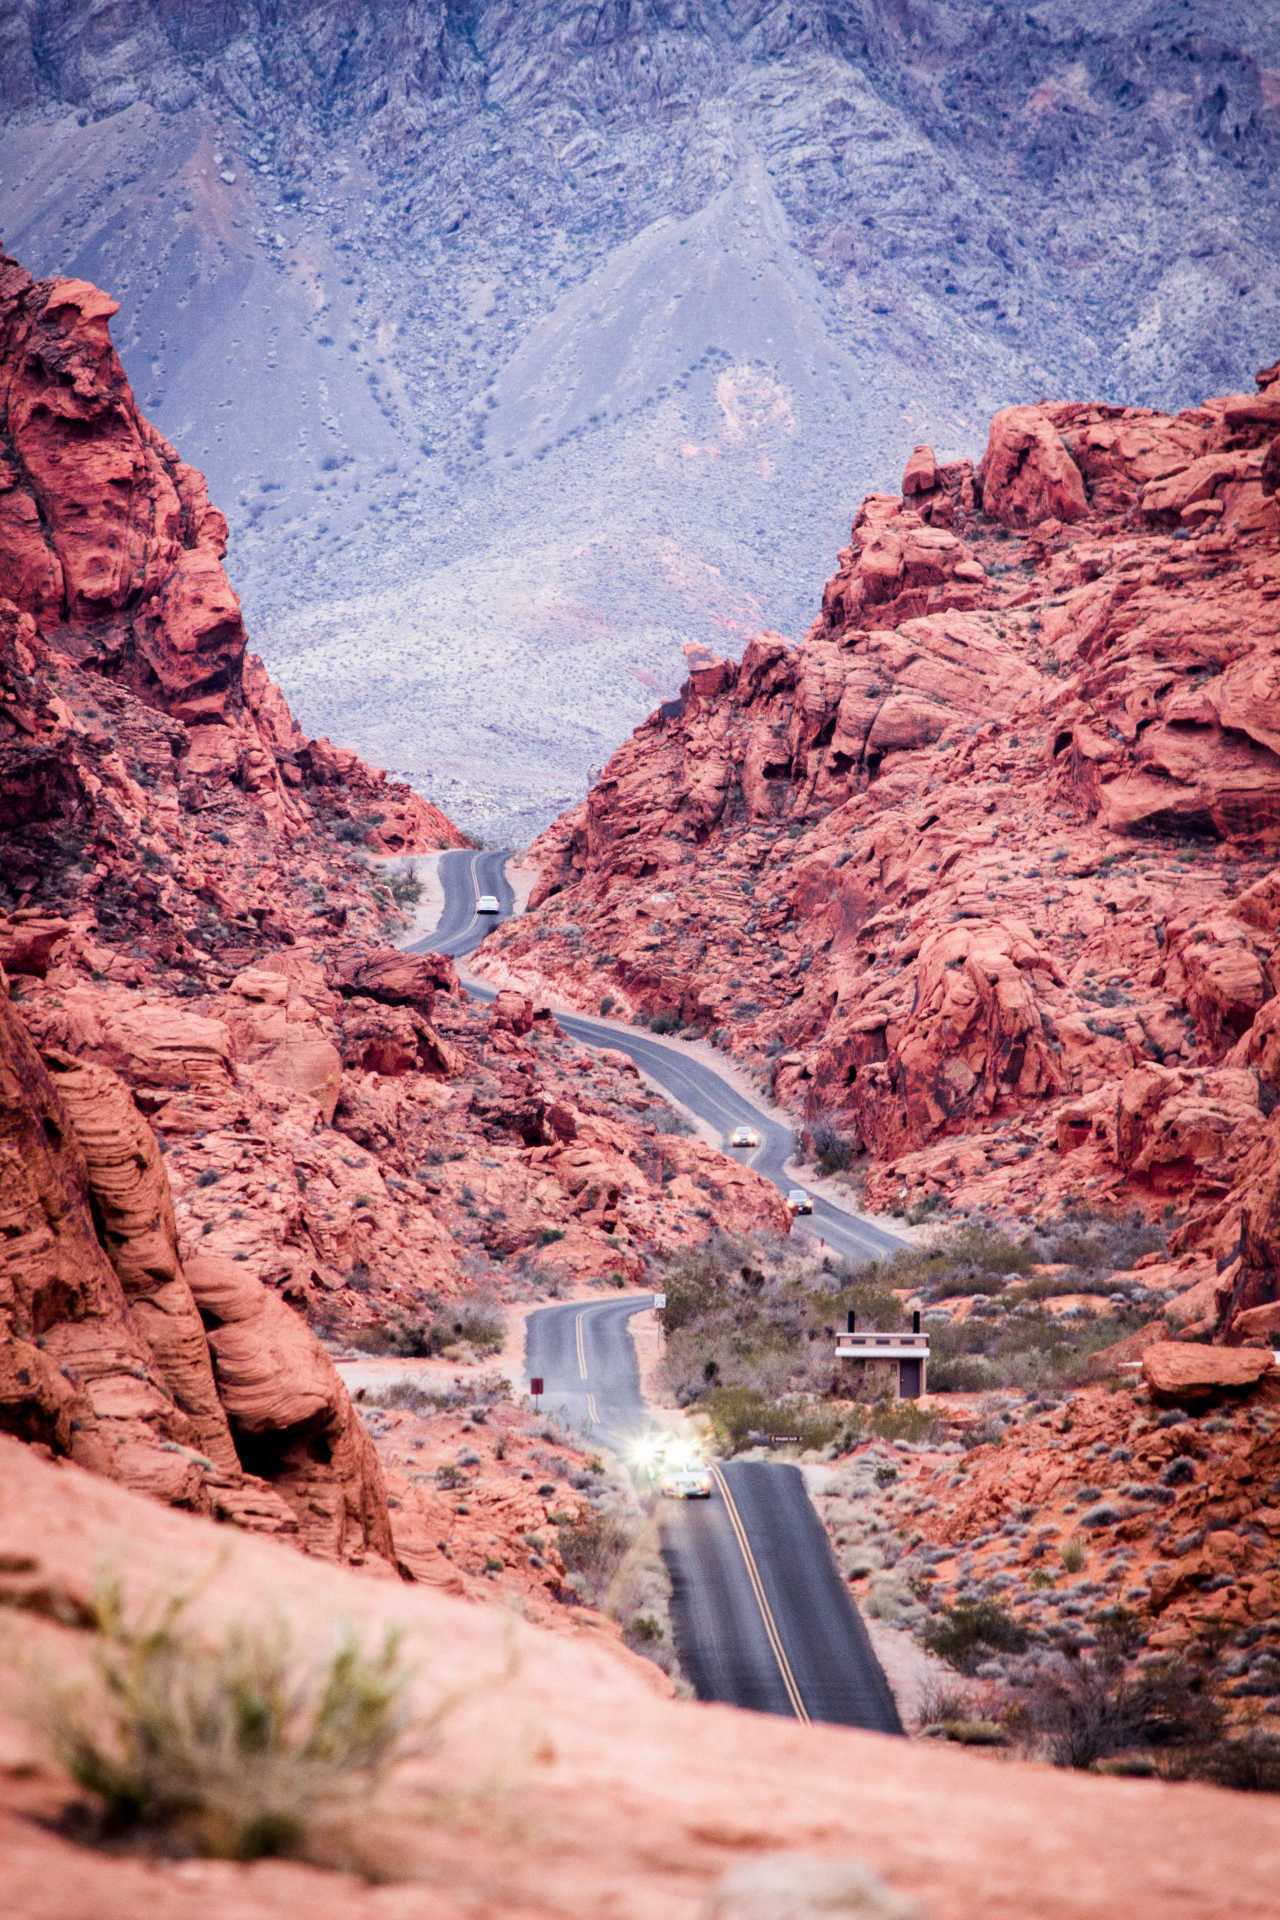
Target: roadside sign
[[659, 1302], [536, 1386]]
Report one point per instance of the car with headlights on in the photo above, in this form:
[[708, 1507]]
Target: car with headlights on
[[744, 1137], [685, 1483], [798, 1201]]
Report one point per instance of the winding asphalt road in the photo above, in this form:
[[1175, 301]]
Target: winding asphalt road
[[670, 1066], [762, 1617], [464, 877]]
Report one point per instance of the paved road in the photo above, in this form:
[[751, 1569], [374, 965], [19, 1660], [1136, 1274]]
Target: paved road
[[762, 1618], [695, 1085], [464, 877]]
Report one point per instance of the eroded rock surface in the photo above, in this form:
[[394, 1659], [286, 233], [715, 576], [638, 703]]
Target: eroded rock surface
[[981, 875], [235, 1113]]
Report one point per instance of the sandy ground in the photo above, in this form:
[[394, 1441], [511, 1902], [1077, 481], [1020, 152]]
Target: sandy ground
[[425, 916], [523, 879]]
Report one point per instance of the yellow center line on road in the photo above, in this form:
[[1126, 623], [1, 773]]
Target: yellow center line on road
[[766, 1612], [578, 1319]]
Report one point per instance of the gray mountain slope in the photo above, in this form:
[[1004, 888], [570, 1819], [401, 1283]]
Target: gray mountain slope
[[523, 343]]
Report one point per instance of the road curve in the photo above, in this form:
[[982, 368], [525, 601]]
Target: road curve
[[762, 1617], [673, 1068], [465, 875]]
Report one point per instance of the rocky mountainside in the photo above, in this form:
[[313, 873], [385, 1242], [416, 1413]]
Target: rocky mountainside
[[525, 344], [232, 1115], [980, 879]]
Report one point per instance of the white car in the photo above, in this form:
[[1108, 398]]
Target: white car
[[799, 1201], [744, 1137], [488, 903], [686, 1483]]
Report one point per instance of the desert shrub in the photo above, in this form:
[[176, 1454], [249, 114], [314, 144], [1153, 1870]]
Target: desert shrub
[[352, 832], [1250, 1764], [1087, 1709], [406, 888], [407, 1395], [1048, 1286], [738, 1414], [966, 1634], [965, 1373], [965, 1260], [593, 1546], [1083, 1238], [831, 1151], [232, 1747], [901, 1420], [1073, 1554], [1026, 1348], [942, 1700], [667, 1021], [423, 1335]]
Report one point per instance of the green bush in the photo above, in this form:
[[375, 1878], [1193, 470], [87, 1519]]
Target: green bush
[[738, 1413], [406, 888], [831, 1151], [233, 1747], [966, 1634]]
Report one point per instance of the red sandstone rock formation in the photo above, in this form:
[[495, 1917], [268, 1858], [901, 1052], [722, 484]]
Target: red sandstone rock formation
[[1201, 1558], [727, 1793], [1180, 1373], [105, 1352], [982, 873], [247, 1110], [147, 763]]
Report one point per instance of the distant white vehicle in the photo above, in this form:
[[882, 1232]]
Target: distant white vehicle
[[488, 903], [799, 1201], [744, 1137]]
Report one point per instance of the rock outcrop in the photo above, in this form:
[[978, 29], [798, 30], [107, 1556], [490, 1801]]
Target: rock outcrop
[[234, 1113], [116, 1353], [725, 1791], [1178, 1374], [981, 875], [149, 770]]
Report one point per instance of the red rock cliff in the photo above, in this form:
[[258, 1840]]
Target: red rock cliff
[[230, 1111], [981, 873]]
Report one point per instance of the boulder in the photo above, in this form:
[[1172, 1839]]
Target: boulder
[[1027, 474], [1185, 1372], [921, 472]]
